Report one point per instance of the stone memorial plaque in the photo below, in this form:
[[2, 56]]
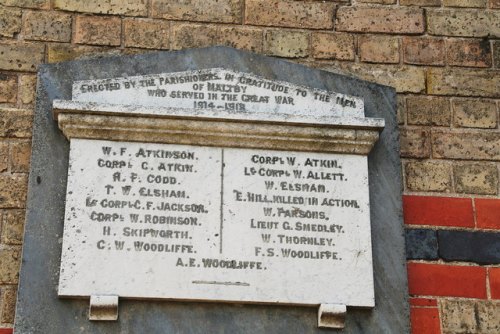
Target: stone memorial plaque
[[171, 179], [204, 223]]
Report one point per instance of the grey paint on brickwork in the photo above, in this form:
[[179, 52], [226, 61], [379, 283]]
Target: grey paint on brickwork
[[479, 247], [39, 310], [421, 244]]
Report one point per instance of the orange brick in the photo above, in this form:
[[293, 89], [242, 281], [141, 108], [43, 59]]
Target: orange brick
[[414, 143], [21, 56], [463, 82], [475, 113], [98, 30], [4, 159], [420, 2], [15, 123], [47, 26], [326, 45], [401, 20], [425, 279], [423, 51], [292, 14], [473, 53], [428, 176], [186, 35], [466, 145], [13, 189], [21, 154], [384, 2], [379, 49], [463, 22], [465, 3], [144, 33], [428, 110], [227, 11], [41, 4], [8, 88], [495, 4], [241, 38], [112, 7], [286, 43], [10, 21]]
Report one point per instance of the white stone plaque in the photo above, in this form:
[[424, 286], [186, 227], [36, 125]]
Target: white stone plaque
[[207, 223]]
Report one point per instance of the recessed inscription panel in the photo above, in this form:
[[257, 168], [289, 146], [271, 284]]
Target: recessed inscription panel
[[218, 90], [199, 223]]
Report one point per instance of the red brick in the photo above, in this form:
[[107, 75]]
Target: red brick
[[423, 51], [473, 53], [438, 211], [487, 213], [401, 20], [6, 330], [425, 321], [494, 277], [423, 302], [446, 280]]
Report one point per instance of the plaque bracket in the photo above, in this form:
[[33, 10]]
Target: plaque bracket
[[103, 308], [331, 316]]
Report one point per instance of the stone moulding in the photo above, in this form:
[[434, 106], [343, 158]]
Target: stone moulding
[[173, 126]]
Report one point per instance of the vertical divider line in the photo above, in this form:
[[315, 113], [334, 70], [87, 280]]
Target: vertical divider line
[[221, 199]]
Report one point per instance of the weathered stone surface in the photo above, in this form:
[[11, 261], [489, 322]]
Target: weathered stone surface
[[286, 43], [415, 143], [385, 2], [8, 306], [421, 244], [9, 270], [428, 176], [114, 7], [20, 156], [10, 21], [463, 82], [13, 189], [15, 123], [4, 157], [378, 49], [488, 313], [467, 246], [474, 113], [406, 79], [27, 88], [226, 11], [466, 145], [144, 33], [47, 26], [291, 14], [470, 53], [13, 227], [401, 20], [423, 51], [495, 4], [8, 88], [463, 22], [186, 35], [41, 4], [476, 178], [21, 56], [64, 52], [245, 38], [326, 45], [458, 316], [98, 30], [465, 3], [428, 110]]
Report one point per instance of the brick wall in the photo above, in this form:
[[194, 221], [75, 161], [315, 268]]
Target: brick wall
[[443, 57]]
